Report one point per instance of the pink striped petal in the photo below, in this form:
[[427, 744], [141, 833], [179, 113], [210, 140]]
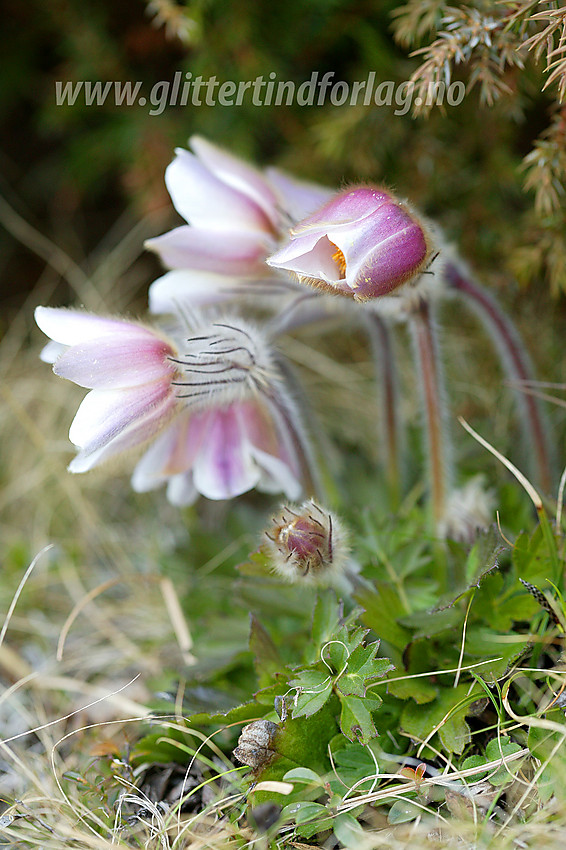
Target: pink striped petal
[[224, 467], [238, 174], [206, 201], [236, 254], [71, 327], [117, 361], [103, 414]]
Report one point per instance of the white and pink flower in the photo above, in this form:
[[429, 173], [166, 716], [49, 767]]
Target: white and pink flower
[[363, 243], [236, 216], [211, 402]]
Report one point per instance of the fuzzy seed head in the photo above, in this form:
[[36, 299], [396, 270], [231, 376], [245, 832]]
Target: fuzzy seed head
[[307, 544], [225, 361]]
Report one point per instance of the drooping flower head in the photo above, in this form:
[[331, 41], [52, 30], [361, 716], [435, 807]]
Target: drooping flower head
[[212, 400], [363, 243], [307, 544]]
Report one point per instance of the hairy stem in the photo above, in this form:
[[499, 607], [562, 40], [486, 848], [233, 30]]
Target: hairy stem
[[515, 361], [388, 381], [430, 379]]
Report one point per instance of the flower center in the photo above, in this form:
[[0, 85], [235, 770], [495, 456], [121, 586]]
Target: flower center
[[222, 364], [340, 260]]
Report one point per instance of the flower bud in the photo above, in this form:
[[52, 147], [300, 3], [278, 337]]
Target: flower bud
[[307, 544], [363, 243]]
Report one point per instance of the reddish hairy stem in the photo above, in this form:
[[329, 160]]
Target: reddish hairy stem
[[515, 361], [390, 425], [437, 449]]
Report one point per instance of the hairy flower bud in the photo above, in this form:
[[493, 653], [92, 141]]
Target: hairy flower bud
[[363, 243], [307, 544]]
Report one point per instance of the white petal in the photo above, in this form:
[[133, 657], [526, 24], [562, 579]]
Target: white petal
[[238, 174], [71, 327], [236, 254], [181, 490], [50, 352], [167, 294], [139, 431], [297, 198], [279, 477], [103, 414], [206, 201], [149, 472]]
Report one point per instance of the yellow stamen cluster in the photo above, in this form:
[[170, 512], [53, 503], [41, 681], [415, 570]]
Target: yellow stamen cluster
[[340, 260]]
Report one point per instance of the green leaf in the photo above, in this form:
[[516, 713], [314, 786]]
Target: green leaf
[[325, 618], [303, 775], [419, 689], [356, 721], [403, 811], [309, 702], [444, 716], [428, 623], [349, 832], [363, 668], [310, 818], [382, 610], [304, 740], [473, 762], [353, 764], [267, 660], [495, 750]]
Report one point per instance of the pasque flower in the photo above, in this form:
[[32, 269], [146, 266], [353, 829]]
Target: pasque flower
[[211, 401], [363, 243], [236, 216], [307, 544]]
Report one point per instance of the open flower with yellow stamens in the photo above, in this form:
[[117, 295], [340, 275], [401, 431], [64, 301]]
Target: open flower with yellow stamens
[[363, 243], [212, 401]]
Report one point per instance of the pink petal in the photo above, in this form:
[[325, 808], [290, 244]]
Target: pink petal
[[116, 361], [104, 414], [71, 327], [383, 251], [238, 174], [272, 447], [236, 254], [224, 467], [297, 198], [206, 201], [343, 209], [138, 431]]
